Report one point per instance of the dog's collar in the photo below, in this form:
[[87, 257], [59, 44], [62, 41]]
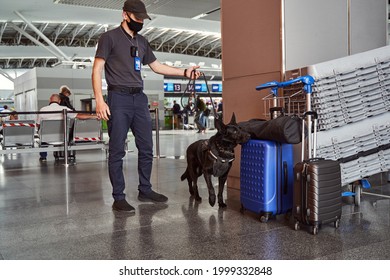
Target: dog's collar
[[222, 160]]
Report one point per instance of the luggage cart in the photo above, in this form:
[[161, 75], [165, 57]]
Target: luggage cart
[[293, 100], [297, 103], [356, 190]]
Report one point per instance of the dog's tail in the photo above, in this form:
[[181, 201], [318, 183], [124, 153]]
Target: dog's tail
[[185, 175]]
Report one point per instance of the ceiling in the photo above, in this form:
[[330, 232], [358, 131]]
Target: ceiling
[[49, 33]]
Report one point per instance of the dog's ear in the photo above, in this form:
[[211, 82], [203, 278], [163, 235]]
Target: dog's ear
[[219, 125], [233, 120]]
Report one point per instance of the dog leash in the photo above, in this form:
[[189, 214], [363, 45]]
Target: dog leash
[[191, 87], [209, 94]]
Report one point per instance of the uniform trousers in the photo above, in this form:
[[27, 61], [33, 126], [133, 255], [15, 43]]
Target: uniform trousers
[[129, 111]]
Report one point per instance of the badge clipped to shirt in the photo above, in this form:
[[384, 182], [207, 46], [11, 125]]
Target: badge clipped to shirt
[[137, 60], [137, 63]]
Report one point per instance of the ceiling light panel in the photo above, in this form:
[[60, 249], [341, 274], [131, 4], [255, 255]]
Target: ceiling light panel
[[104, 4], [174, 8]]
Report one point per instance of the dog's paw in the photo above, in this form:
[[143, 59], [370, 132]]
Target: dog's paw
[[222, 205], [212, 200]]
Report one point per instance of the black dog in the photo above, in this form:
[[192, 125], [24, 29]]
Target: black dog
[[213, 156]]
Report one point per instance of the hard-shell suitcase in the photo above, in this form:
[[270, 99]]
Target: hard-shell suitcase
[[266, 170], [266, 178], [317, 187]]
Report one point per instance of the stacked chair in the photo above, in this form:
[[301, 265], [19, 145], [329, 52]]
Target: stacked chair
[[352, 98]]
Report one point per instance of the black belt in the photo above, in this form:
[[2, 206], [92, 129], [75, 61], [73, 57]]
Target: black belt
[[131, 90]]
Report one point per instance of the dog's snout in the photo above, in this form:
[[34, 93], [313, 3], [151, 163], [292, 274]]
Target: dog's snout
[[245, 137]]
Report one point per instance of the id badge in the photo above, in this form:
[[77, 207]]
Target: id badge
[[137, 63]]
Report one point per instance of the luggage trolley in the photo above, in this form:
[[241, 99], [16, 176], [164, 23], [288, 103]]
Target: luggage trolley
[[317, 181], [291, 104], [307, 82], [266, 171], [295, 103]]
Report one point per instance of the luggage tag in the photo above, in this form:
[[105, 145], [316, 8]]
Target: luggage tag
[[137, 60]]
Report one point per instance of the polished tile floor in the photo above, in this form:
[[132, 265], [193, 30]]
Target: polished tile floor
[[48, 211]]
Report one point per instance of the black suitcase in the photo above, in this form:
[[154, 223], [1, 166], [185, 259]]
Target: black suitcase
[[317, 187]]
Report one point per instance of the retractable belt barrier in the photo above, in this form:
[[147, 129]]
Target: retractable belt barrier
[[66, 142], [19, 124]]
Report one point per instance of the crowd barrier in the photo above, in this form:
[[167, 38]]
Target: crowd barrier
[[22, 136]]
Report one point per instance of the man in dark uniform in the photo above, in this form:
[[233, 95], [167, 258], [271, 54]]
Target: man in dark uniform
[[120, 53]]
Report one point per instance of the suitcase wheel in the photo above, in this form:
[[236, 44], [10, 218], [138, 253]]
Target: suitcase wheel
[[314, 230], [264, 218], [242, 210], [337, 223], [357, 191], [288, 215], [296, 225]]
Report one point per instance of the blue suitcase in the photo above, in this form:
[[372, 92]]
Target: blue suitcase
[[266, 178]]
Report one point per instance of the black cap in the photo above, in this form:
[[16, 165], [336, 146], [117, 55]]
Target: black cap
[[137, 7]]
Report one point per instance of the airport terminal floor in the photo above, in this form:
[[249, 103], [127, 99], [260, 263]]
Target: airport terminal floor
[[48, 211]]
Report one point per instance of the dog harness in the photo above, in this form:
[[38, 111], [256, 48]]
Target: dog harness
[[220, 165]]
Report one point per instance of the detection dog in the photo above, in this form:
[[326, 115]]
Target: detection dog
[[213, 156]]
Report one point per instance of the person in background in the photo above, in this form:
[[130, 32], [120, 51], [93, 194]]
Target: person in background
[[120, 52], [209, 112], [13, 116], [187, 112], [5, 117], [176, 110], [200, 107], [220, 107], [64, 95], [54, 105], [220, 110]]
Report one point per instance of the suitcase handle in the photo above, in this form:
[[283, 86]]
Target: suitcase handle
[[311, 150], [285, 178], [311, 113], [277, 109]]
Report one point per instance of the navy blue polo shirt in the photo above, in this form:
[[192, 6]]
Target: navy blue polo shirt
[[114, 47]]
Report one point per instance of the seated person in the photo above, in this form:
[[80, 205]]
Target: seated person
[[12, 117], [54, 105], [5, 117]]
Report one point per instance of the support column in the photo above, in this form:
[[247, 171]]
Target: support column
[[252, 54]]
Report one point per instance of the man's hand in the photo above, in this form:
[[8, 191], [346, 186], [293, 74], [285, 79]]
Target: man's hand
[[103, 111], [191, 71]]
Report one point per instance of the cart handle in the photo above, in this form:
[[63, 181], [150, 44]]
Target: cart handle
[[307, 80], [274, 85]]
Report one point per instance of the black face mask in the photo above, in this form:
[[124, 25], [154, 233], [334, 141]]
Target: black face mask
[[134, 26]]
